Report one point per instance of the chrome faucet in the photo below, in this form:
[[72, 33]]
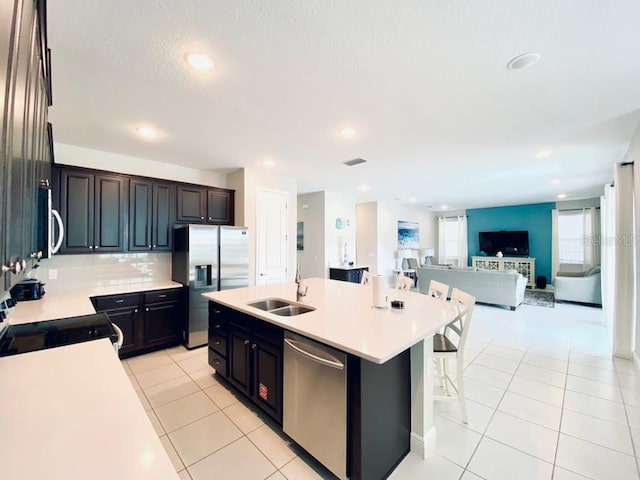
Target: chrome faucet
[[300, 292]]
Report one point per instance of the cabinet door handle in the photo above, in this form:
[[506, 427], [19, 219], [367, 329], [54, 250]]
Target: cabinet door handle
[[216, 325], [97, 247], [217, 312], [217, 342], [146, 309], [246, 342], [153, 246], [162, 296], [135, 311], [90, 247], [253, 346], [201, 218], [149, 247], [210, 218], [120, 301], [217, 362]]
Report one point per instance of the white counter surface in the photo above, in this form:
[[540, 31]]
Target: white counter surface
[[345, 318], [71, 413], [73, 303]]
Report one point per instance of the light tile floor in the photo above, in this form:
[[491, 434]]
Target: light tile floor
[[545, 400]]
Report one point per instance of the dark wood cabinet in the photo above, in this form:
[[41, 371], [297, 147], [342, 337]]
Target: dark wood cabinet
[[149, 320], [163, 318], [267, 376], [239, 359], [191, 202], [353, 275], [248, 353], [151, 215], [220, 207], [23, 121], [92, 209], [205, 205]]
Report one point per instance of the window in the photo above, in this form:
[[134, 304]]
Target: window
[[452, 243], [571, 237]]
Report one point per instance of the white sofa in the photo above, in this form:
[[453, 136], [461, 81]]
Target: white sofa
[[488, 286], [583, 287]]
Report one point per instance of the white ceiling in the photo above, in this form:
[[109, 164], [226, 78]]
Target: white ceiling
[[438, 116]]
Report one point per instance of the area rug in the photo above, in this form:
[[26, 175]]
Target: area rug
[[539, 298]]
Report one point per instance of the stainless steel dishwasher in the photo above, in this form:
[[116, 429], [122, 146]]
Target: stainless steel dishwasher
[[315, 400]]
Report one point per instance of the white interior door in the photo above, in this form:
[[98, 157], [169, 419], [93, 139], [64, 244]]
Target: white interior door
[[271, 235]]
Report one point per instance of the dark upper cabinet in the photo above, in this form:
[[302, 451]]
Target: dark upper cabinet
[[22, 127], [205, 205], [191, 202], [220, 206], [92, 212], [151, 215], [163, 216]]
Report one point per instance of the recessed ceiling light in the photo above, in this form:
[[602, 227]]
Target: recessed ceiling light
[[523, 61], [443, 207], [348, 132], [562, 195], [544, 154], [555, 181], [199, 61], [268, 163], [146, 132], [364, 188], [413, 199]]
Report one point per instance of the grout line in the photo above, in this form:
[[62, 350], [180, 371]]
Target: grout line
[[626, 413]]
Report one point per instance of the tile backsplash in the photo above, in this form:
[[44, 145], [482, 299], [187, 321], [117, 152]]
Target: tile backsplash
[[102, 270]]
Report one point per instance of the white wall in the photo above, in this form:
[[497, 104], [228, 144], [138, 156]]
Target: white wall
[[311, 211], [338, 205], [85, 157], [367, 235]]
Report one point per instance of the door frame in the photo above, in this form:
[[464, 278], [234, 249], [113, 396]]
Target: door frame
[[285, 194]]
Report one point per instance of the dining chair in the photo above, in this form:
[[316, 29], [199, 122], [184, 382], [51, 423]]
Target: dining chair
[[403, 283], [366, 278], [438, 290], [449, 346]]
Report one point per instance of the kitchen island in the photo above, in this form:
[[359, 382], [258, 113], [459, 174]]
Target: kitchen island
[[343, 317]]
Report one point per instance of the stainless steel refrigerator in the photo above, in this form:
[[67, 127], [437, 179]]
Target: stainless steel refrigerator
[[208, 258]]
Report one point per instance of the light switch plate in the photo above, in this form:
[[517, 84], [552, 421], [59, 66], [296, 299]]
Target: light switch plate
[[53, 274]]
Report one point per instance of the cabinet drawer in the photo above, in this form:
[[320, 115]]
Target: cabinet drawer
[[218, 342], [111, 302], [218, 362], [161, 296]]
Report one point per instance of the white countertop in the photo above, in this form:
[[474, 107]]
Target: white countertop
[[71, 413], [73, 303], [345, 318]]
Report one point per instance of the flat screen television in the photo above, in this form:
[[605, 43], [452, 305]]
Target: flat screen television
[[511, 243]]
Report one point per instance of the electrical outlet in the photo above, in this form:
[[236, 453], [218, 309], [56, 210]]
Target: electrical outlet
[[53, 274]]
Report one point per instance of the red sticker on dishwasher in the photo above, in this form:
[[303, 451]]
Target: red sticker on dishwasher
[[263, 391]]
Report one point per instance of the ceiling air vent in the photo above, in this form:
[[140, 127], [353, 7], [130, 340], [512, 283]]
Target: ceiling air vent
[[355, 161]]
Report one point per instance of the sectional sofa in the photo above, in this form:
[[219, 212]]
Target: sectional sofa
[[488, 286]]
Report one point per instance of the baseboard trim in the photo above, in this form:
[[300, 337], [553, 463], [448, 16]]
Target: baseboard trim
[[423, 446]]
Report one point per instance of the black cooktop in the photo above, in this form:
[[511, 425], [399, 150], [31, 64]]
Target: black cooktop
[[34, 336]]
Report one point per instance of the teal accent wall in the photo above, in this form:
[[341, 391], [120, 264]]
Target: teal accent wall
[[535, 218]]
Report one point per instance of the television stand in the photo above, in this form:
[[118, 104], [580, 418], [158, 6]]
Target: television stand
[[525, 266]]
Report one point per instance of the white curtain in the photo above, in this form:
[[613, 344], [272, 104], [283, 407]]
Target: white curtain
[[555, 250], [591, 219], [462, 241], [607, 260], [624, 304], [441, 240]]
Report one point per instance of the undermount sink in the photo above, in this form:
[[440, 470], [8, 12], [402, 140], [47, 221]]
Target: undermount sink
[[280, 307], [269, 304], [291, 310]]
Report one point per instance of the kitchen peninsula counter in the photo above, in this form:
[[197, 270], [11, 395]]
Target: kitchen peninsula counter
[[71, 413], [344, 316]]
